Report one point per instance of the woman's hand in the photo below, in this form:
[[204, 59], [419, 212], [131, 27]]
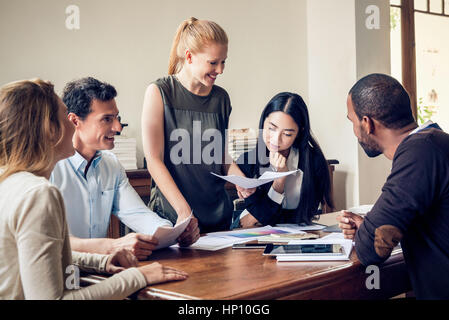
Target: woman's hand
[[249, 221], [244, 193], [183, 212], [157, 273], [241, 192], [190, 235], [278, 162]]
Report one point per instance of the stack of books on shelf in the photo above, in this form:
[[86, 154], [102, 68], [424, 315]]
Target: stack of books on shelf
[[125, 150], [240, 141]]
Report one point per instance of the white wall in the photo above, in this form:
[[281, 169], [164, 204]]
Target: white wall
[[128, 44], [332, 71], [342, 50], [373, 56], [308, 46]]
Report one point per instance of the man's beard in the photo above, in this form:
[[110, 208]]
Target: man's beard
[[371, 148]]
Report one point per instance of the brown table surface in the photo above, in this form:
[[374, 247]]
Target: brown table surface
[[247, 274]]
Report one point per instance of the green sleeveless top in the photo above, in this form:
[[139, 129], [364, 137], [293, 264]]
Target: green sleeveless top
[[195, 132]]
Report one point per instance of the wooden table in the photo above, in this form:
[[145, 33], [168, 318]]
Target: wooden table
[[247, 274]]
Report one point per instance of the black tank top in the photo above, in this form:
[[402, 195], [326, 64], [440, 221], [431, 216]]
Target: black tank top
[[195, 132]]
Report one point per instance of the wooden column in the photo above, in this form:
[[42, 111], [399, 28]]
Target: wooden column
[[409, 51]]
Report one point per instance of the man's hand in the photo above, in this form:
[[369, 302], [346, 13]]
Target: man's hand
[[120, 260], [349, 223], [141, 245], [244, 193], [190, 235]]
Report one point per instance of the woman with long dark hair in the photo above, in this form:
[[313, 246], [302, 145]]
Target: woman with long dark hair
[[285, 144]]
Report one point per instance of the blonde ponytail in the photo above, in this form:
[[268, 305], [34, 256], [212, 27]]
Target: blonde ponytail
[[193, 34]]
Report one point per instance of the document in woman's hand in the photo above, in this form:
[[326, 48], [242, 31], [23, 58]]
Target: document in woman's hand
[[249, 183]]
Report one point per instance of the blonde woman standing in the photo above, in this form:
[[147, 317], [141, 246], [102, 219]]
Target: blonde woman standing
[[36, 261], [184, 119]]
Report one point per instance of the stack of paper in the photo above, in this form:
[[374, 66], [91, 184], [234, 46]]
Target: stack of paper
[[212, 243], [286, 237], [240, 141], [219, 240], [333, 238], [125, 150]]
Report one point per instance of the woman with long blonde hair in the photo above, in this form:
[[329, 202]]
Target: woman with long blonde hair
[[36, 261], [183, 114]]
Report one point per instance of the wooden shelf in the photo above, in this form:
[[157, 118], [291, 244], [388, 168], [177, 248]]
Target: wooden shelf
[[140, 179]]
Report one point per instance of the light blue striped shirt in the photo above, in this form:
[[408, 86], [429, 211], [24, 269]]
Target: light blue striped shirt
[[91, 199]]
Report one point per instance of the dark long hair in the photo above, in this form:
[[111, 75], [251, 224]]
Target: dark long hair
[[316, 186]]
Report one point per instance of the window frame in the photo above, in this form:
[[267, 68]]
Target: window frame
[[408, 41]]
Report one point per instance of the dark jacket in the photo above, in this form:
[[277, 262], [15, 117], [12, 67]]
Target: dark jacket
[[414, 209]]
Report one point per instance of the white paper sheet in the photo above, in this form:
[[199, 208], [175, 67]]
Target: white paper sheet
[[249, 183], [213, 243], [167, 235], [334, 236], [361, 210]]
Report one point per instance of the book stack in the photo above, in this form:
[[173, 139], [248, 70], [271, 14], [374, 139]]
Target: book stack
[[240, 141], [125, 150]]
